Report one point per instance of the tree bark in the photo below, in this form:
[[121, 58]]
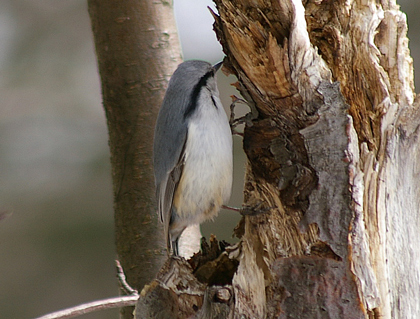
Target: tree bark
[[332, 173], [335, 150], [137, 49]]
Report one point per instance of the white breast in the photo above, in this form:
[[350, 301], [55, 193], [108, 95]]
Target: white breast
[[206, 179]]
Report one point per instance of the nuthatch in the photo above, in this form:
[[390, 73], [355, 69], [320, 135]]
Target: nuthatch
[[192, 151]]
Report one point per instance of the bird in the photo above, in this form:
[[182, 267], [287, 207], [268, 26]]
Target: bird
[[192, 151]]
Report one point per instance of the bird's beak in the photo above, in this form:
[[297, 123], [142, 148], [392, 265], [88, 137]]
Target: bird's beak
[[217, 66]]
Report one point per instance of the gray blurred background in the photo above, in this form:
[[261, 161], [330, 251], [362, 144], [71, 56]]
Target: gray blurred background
[[57, 240]]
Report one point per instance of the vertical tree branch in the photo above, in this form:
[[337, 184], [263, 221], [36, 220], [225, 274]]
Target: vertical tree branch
[[137, 50]]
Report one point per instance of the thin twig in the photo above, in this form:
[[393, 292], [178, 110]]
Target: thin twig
[[248, 210], [123, 281], [236, 209], [116, 302], [110, 303]]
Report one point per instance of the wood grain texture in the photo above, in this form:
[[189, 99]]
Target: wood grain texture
[[332, 171], [321, 148]]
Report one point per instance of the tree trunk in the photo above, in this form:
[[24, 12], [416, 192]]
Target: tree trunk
[[138, 50], [335, 150]]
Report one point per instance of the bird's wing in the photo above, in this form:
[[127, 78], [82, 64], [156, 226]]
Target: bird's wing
[[169, 147], [169, 162], [166, 197]]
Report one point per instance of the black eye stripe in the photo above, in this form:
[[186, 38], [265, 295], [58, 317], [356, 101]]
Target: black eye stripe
[[214, 102], [196, 92]]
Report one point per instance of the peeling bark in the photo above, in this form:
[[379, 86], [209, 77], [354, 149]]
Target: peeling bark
[[332, 160]]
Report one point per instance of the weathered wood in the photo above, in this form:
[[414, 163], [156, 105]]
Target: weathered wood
[[332, 160]]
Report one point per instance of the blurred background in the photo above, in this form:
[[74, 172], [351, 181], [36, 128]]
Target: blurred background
[[56, 233]]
